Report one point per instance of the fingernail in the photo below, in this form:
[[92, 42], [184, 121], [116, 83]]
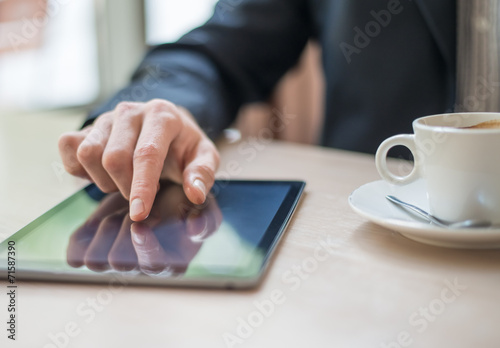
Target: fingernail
[[200, 186], [137, 207], [138, 237], [196, 226]]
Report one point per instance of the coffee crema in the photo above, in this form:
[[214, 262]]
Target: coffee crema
[[492, 124]]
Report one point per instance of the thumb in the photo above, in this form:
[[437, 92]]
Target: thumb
[[199, 173]]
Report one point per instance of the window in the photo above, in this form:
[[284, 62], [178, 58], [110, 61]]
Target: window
[[47, 53], [61, 53], [167, 20]]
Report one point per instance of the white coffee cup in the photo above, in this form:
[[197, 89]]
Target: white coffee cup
[[461, 167]]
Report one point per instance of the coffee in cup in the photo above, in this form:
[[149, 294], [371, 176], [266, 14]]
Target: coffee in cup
[[492, 124], [458, 157]]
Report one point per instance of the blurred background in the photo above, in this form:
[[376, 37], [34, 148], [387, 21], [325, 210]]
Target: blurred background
[[65, 53], [72, 54]]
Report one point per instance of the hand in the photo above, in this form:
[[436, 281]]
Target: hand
[[130, 148], [164, 243]]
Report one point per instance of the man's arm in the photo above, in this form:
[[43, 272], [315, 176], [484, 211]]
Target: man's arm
[[141, 133]]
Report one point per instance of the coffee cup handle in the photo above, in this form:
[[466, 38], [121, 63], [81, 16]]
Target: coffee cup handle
[[406, 140]]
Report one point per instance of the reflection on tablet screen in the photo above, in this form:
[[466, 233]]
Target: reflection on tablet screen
[[91, 233]]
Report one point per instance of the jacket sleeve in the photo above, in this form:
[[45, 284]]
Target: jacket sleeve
[[237, 57]]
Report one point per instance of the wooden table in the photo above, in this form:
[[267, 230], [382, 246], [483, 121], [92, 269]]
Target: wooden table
[[372, 288]]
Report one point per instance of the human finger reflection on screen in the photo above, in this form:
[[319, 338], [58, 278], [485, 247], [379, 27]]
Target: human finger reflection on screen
[[163, 244]]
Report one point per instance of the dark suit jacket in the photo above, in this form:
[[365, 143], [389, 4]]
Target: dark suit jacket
[[386, 62]]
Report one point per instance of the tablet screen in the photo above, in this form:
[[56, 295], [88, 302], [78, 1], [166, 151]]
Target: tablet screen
[[226, 241]]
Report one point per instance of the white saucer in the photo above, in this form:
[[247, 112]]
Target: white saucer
[[369, 201]]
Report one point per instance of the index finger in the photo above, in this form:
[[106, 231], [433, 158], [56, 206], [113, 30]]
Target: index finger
[[160, 127]]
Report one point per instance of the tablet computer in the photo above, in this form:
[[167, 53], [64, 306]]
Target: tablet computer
[[227, 242]]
